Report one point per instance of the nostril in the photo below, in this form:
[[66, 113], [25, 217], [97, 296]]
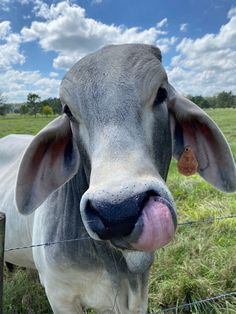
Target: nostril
[[95, 222], [111, 220], [105, 224]]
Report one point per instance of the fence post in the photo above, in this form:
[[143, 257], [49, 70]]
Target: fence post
[[2, 241]]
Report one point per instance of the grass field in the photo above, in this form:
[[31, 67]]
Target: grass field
[[199, 263], [22, 124]]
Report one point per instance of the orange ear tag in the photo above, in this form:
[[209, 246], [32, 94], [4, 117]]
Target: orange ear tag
[[187, 163]]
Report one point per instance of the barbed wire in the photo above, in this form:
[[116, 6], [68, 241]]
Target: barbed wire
[[87, 238], [165, 310], [212, 219], [188, 305], [45, 244]]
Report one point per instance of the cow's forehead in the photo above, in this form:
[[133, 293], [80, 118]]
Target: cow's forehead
[[117, 60], [124, 72]]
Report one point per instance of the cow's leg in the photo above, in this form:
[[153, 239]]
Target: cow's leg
[[62, 300], [57, 309], [62, 307], [125, 300]]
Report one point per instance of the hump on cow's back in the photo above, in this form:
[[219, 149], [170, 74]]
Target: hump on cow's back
[[11, 148]]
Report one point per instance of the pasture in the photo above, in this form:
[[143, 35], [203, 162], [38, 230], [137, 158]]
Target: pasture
[[199, 263]]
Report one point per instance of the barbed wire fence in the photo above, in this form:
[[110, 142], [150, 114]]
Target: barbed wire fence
[[190, 305], [164, 310], [191, 222]]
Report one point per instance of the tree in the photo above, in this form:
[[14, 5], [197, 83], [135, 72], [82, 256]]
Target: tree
[[24, 109], [212, 101], [54, 103], [225, 100], [2, 99], [200, 101], [33, 103], [4, 109], [47, 110]]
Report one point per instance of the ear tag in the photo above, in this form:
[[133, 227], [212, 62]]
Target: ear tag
[[187, 163]]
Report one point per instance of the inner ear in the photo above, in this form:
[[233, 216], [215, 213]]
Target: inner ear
[[51, 159], [210, 152]]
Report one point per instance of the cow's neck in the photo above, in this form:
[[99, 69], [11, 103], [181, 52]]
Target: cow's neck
[[64, 222]]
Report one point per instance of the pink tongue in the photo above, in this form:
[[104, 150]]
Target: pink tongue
[[158, 226]]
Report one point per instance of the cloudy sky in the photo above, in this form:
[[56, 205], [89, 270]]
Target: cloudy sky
[[40, 40]]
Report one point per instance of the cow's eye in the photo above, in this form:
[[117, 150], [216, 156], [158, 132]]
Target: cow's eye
[[161, 96], [67, 111]]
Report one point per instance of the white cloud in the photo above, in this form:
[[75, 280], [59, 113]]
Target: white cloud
[[17, 85], [81, 35], [206, 65], [24, 1], [232, 12], [10, 48], [41, 9], [97, 1], [53, 74], [4, 5], [26, 17], [162, 23], [183, 27], [165, 43], [5, 28]]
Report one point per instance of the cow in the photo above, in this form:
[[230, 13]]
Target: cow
[[97, 174]]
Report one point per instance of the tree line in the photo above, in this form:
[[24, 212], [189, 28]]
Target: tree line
[[34, 105], [221, 100]]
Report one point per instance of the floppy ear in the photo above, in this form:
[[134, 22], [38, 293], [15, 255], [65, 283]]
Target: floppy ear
[[207, 148], [51, 159]]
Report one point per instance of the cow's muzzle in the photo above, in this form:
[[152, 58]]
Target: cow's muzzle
[[143, 222]]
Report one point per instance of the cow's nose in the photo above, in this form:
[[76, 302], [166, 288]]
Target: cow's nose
[[111, 220]]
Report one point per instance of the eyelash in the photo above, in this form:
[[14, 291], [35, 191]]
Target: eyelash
[[67, 111], [161, 96]]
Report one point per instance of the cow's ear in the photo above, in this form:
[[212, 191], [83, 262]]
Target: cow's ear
[[196, 135], [51, 159]]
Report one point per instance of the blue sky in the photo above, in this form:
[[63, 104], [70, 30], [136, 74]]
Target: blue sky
[[40, 40]]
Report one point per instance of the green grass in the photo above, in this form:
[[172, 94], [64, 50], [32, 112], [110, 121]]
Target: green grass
[[22, 124], [226, 119], [23, 293], [199, 263]]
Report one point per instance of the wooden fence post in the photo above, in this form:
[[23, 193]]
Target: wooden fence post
[[2, 242]]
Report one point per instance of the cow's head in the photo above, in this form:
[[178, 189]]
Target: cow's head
[[122, 122]]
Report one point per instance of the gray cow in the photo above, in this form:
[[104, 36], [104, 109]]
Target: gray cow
[[98, 173]]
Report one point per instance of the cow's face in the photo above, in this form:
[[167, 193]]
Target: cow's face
[[121, 124], [117, 103]]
